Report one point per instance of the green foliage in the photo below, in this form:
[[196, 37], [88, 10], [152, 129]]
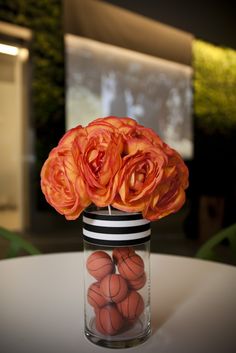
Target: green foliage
[[214, 87], [208, 251], [44, 18], [17, 244]]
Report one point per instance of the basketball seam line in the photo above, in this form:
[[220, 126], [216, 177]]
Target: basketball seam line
[[118, 288], [129, 268], [112, 296], [92, 290], [111, 321], [121, 307], [99, 258], [132, 280], [97, 269], [101, 321], [123, 257], [93, 299], [135, 261]]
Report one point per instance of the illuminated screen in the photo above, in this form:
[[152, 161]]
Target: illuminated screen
[[105, 80]]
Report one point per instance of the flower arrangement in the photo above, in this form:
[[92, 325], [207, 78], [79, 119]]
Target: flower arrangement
[[114, 161]]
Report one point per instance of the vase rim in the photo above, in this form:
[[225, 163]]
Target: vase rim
[[114, 215]]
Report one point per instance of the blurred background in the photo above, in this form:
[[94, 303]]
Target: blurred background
[[171, 65]]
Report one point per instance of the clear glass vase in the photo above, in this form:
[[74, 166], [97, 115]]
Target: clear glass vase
[[116, 278]]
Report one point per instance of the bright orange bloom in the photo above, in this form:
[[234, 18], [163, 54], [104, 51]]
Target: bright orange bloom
[[139, 176], [63, 184], [169, 196], [100, 160], [114, 161]]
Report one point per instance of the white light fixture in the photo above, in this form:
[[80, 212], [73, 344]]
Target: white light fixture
[[23, 54], [8, 49]]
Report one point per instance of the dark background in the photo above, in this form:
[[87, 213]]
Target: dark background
[[208, 20]]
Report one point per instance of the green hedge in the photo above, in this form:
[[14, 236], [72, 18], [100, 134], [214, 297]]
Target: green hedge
[[214, 167], [44, 18], [214, 87]]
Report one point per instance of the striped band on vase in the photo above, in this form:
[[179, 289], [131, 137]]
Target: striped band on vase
[[118, 228]]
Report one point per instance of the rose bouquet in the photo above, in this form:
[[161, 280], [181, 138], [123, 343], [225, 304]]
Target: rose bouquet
[[114, 161]]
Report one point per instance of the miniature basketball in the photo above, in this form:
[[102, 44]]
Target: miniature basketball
[[114, 288], [109, 320], [94, 296], [132, 306], [121, 253], [131, 267], [99, 264], [138, 283]]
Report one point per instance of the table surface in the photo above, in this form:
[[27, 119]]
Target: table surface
[[41, 306]]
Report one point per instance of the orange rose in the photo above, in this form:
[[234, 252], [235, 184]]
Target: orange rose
[[140, 134], [62, 183], [139, 176], [115, 121], [169, 196], [176, 163], [70, 135], [100, 160], [114, 161], [130, 129]]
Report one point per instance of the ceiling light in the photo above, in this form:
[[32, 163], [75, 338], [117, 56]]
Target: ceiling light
[[8, 49]]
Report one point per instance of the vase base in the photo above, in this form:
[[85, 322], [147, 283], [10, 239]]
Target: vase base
[[118, 343]]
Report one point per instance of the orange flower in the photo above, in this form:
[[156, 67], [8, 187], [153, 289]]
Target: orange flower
[[140, 134], [139, 176], [169, 196], [114, 161], [62, 182], [69, 137], [115, 121], [130, 129], [101, 147]]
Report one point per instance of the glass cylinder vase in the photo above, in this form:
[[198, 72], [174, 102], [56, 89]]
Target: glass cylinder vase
[[116, 278]]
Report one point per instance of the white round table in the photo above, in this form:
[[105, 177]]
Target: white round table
[[41, 306]]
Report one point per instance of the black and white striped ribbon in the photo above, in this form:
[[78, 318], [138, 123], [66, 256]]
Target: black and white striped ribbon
[[119, 228]]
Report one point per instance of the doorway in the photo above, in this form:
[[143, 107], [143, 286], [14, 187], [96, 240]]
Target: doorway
[[14, 185]]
